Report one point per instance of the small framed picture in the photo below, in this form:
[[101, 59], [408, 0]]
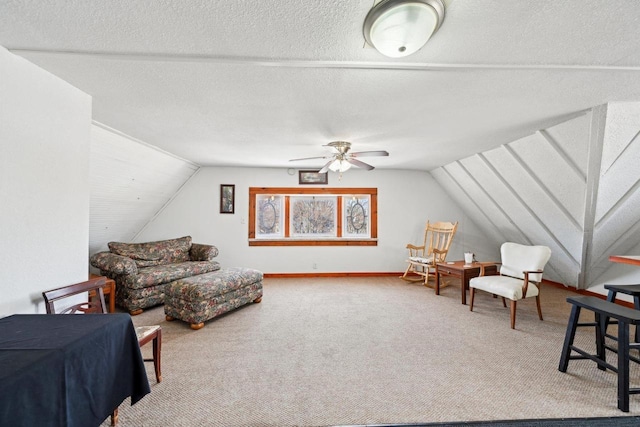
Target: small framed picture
[[312, 177], [227, 198]]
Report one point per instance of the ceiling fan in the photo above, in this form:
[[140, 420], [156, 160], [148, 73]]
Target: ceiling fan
[[342, 159]]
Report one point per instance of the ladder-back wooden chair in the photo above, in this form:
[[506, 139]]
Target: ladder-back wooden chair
[[96, 304], [422, 259], [93, 287]]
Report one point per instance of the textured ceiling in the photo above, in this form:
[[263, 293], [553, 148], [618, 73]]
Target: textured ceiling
[[250, 83]]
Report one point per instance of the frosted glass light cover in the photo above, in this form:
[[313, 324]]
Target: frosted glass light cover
[[404, 29], [339, 166]]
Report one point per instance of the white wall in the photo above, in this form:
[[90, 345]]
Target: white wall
[[44, 184], [617, 222], [130, 182], [617, 219], [406, 199]]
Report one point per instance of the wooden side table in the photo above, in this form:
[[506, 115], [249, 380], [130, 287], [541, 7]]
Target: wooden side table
[[109, 290], [625, 259], [464, 272]]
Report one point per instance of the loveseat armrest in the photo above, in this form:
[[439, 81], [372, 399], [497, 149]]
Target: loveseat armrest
[[200, 252], [114, 264]]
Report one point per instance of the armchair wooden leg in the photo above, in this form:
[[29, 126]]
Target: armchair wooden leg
[[114, 417], [504, 302], [472, 293], [513, 313], [157, 352], [538, 305]]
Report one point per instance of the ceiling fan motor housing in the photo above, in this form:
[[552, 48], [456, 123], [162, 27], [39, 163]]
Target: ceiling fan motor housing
[[341, 146]]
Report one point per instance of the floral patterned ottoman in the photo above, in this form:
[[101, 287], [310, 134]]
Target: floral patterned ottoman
[[199, 298]]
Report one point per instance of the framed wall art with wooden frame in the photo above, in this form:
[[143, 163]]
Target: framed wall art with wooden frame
[[227, 198], [312, 177]]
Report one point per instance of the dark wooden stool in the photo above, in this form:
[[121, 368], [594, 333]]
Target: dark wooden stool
[[634, 291], [624, 316]]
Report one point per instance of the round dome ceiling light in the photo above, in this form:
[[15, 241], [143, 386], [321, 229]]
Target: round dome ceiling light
[[398, 28]]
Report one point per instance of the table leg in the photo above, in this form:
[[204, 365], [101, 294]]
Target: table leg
[[437, 281], [112, 298], [623, 366], [464, 285], [636, 305]]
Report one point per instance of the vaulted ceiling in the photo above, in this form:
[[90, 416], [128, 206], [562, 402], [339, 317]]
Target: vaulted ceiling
[[247, 83]]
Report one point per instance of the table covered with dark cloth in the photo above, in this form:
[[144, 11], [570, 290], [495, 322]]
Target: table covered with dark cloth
[[68, 370]]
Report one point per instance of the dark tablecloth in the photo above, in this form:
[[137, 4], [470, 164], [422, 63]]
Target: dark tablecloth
[[67, 370]]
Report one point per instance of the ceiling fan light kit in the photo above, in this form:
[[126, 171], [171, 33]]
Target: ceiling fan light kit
[[398, 28], [342, 159], [340, 166]]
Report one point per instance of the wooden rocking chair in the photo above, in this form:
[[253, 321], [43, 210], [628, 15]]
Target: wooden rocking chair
[[422, 259]]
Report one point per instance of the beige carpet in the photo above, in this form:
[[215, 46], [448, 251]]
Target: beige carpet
[[345, 351]]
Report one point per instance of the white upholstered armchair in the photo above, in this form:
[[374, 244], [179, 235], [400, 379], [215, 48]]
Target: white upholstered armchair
[[520, 276]]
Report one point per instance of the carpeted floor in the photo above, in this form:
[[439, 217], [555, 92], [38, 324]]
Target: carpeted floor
[[561, 422], [373, 351]]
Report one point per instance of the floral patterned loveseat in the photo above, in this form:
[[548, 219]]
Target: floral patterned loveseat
[[141, 270]]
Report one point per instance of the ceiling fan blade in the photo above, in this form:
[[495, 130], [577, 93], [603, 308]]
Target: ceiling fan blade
[[325, 168], [311, 158], [360, 164], [370, 153]]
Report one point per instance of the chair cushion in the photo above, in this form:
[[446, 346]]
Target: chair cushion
[[421, 260], [160, 274], [503, 286], [143, 332], [204, 287]]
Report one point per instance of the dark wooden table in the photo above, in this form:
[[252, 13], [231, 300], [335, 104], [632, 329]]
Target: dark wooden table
[[67, 369], [464, 272]]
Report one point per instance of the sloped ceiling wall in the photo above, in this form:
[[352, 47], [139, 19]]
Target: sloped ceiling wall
[[570, 187], [130, 183], [617, 214]]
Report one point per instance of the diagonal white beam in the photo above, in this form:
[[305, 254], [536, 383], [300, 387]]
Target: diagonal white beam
[[594, 163]]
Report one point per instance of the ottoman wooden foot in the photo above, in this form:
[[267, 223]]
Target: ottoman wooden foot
[[169, 318], [257, 300], [196, 326], [135, 312]]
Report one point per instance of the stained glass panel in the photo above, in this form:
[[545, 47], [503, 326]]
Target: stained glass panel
[[356, 216], [313, 216], [269, 218]]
